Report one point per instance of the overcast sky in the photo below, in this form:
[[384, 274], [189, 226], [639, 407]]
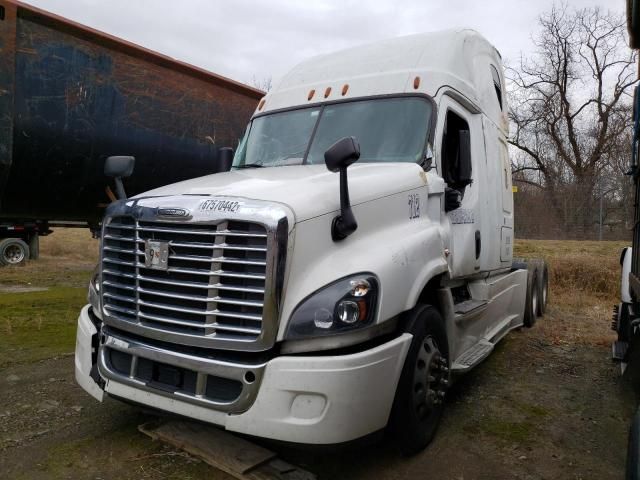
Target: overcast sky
[[245, 39]]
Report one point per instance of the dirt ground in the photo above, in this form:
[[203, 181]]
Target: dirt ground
[[547, 404]]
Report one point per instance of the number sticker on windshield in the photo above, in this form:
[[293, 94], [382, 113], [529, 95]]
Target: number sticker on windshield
[[414, 206]]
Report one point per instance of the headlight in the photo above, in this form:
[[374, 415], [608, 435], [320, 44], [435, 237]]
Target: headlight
[[345, 305], [94, 292]]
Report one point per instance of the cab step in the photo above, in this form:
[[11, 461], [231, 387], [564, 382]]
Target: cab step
[[473, 356], [467, 306]]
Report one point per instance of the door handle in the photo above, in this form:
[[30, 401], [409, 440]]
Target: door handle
[[478, 244]]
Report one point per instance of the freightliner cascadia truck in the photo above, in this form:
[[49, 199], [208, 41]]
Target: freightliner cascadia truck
[[71, 96], [353, 261]]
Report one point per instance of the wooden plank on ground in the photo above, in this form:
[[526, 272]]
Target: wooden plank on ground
[[224, 451]]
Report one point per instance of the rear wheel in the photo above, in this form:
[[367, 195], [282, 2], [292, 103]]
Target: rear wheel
[[531, 302], [419, 400], [13, 251], [543, 286]]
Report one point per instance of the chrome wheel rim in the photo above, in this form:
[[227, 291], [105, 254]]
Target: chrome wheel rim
[[13, 254], [430, 379]]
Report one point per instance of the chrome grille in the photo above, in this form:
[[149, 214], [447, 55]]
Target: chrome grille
[[214, 286]]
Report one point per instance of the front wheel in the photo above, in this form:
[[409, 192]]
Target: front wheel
[[13, 251], [419, 400]]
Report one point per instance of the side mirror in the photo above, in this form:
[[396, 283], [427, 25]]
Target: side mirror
[[119, 167], [464, 167], [225, 159], [342, 154], [337, 158]]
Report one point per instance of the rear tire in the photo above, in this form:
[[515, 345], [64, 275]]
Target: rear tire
[[543, 287], [34, 247], [531, 301], [13, 251], [419, 400]]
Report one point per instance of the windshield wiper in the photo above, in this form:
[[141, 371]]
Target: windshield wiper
[[249, 165]]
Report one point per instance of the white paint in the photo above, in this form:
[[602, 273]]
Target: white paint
[[83, 355]]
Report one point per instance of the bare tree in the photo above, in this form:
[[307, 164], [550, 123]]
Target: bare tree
[[570, 105], [263, 84]]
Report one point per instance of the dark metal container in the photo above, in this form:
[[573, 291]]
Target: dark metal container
[[71, 96]]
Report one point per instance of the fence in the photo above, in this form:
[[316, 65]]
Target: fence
[[604, 214]]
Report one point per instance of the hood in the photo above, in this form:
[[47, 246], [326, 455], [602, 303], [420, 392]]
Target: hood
[[309, 190]]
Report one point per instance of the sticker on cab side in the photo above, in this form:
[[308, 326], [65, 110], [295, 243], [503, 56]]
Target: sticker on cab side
[[414, 206]]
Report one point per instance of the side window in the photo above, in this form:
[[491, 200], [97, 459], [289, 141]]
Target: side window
[[497, 84], [456, 152]]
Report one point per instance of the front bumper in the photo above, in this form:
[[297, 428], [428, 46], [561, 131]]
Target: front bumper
[[303, 399]]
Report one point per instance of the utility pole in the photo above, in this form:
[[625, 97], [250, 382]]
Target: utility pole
[[600, 230], [600, 216]]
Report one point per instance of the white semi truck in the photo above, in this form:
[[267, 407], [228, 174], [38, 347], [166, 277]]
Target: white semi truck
[[356, 258]]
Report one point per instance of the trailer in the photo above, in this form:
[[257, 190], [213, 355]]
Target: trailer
[[71, 96]]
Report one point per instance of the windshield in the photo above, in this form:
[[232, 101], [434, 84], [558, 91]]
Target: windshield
[[389, 130]]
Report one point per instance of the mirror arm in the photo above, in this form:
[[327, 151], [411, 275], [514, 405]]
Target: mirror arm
[[118, 167], [344, 224], [121, 194]]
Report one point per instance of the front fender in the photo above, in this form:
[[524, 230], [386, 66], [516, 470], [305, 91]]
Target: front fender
[[405, 253]]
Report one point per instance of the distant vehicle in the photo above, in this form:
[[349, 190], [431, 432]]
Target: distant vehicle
[[286, 301], [71, 96]]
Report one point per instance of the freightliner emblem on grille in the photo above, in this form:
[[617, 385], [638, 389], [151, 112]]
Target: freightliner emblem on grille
[[174, 212], [156, 254]]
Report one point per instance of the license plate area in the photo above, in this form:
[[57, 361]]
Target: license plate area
[[156, 254]]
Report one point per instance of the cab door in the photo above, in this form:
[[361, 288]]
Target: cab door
[[459, 144]]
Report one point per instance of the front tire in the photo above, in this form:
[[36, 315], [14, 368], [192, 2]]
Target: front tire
[[419, 400]]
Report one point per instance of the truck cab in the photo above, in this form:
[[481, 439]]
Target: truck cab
[[356, 257]]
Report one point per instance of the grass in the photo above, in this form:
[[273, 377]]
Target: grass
[[36, 325], [576, 266], [71, 243], [584, 281], [510, 432]]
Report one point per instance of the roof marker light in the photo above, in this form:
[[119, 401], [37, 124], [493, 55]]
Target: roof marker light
[[327, 92], [261, 104], [416, 83], [345, 89], [311, 94]]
